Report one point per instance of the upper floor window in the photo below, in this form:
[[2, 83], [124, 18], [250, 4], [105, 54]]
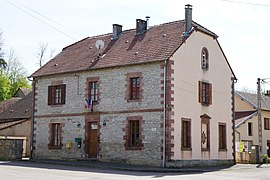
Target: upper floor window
[[266, 124], [93, 90], [57, 94], [205, 59], [134, 87], [205, 93]]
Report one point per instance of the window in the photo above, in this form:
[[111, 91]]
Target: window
[[205, 59], [205, 93], [134, 84], [57, 94], [186, 134], [55, 136], [266, 124], [93, 90], [222, 136], [250, 130], [135, 88], [205, 138], [133, 135]]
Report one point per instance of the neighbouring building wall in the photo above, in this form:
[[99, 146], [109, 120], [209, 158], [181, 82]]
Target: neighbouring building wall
[[112, 112], [242, 105], [244, 136], [20, 130], [187, 74]]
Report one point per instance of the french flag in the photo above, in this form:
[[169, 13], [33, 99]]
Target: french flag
[[90, 104]]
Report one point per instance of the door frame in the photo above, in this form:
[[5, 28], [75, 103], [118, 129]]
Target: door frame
[[89, 118]]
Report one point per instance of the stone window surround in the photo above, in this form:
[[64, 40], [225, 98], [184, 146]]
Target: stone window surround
[[128, 84], [205, 119]]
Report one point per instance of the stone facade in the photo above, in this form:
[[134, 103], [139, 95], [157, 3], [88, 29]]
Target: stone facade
[[112, 109]]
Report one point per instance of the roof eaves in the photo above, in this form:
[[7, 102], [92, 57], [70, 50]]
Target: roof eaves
[[87, 69], [245, 119]]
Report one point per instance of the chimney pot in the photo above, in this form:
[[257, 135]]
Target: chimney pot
[[188, 18], [117, 31]]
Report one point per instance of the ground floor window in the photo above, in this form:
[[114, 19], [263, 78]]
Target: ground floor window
[[222, 136], [55, 136]]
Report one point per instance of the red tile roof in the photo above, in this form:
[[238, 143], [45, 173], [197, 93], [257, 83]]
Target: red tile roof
[[7, 103], [22, 109], [158, 43]]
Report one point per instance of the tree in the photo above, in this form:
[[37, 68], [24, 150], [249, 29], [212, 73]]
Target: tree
[[16, 73], [41, 53], [3, 63]]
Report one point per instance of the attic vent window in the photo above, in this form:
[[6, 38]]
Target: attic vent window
[[205, 59], [164, 35], [136, 53], [90, 47], [127, 41], [56, 65]]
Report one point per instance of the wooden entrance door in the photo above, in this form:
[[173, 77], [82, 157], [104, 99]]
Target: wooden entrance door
[[93, 140]]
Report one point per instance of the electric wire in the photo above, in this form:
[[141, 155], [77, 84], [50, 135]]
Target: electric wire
[[247, 3], [56, 29], [38, 13]]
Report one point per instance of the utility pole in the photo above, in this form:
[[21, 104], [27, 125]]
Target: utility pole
[[259, 118]]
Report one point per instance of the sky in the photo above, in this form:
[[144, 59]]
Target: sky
[[242, 26]]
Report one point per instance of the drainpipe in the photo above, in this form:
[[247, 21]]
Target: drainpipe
[[164, 120], [33, 113], [233, 110]]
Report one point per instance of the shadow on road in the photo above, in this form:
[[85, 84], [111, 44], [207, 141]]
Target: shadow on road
[[108, 169]]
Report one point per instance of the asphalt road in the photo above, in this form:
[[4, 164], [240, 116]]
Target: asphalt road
[[39, 171]]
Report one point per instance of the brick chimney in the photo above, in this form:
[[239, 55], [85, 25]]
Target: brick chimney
[[117, 31], [141, 26]]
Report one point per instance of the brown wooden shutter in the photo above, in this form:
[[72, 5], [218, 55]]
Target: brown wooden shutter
[[200, 91], [189, 134], [63, 95], [51, 134], [210, 93], [49, 95]]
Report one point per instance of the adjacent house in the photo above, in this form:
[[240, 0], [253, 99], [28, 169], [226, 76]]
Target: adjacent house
[[246, 123], [153, 95], [16, 123]]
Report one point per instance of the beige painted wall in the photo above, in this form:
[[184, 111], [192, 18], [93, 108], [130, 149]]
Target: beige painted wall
[[20, 130], [243, 130], [188, 72], [242, 105]]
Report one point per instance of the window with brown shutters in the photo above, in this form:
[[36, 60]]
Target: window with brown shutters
[[57, 94], [266, 124], [186, 134], [55, 136], [222, 137], [205, 93]]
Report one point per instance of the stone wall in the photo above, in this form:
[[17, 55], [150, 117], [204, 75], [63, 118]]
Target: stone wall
[[10, 149], [113, 108]]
